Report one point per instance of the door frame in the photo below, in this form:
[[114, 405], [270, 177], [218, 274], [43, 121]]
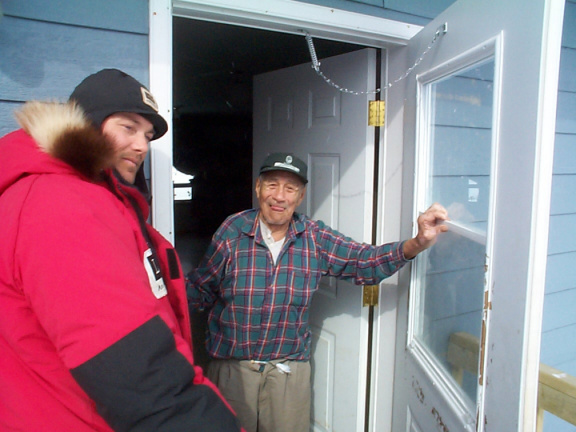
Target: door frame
[[275, 15], [289, 17]]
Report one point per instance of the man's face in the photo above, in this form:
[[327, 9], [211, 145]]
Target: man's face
[[131, 134], [279, 193]]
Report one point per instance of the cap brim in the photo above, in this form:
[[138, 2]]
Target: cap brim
[[160, 125], [275, 168]]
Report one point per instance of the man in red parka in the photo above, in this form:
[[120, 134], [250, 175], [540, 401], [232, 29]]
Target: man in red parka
[[94, 327]]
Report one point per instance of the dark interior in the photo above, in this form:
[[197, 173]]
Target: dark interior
[[213, 69]]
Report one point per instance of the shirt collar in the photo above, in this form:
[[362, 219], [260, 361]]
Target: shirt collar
[[296, 227]]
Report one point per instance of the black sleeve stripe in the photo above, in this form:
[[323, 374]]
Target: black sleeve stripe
[[142, 383], [173, 264]]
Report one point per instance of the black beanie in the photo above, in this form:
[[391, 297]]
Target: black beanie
[[110, 91]]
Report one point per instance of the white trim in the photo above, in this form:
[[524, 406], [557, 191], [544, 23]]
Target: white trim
[[291, 17], [543, 171], [277, 15], [160, 46], [498, 53]]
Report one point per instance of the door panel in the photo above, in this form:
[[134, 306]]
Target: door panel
[[473, 136], [296, 110]]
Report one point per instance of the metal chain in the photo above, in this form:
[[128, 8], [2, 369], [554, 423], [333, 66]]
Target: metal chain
[[316, 64]]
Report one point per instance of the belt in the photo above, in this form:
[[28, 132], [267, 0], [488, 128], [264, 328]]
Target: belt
[[282, 368]]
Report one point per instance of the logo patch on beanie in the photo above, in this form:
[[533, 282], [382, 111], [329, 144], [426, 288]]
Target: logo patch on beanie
[[148, 99]]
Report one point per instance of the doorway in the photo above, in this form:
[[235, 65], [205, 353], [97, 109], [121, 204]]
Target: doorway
[[213, 69], [322, 23]]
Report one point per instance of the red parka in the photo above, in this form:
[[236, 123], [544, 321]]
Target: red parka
[[94, 324]]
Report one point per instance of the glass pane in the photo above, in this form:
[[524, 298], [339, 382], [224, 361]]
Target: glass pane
[[461, 144], [452, 273]]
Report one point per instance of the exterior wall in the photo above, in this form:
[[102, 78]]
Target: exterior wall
[[559, 321], [47, 48], [418, 12]]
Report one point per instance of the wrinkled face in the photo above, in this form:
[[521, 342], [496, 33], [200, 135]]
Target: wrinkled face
[[131, 134], [279, 193]]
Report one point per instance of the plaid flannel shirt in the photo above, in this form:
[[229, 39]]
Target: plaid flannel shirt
[[259, 310]]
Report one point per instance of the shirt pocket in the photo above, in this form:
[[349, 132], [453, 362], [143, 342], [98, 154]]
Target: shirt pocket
[[299, 288]]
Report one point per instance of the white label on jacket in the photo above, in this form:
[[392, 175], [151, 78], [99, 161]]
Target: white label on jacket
[[154, 274]]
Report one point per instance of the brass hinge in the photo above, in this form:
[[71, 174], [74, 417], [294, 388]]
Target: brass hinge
[[370, 295], [376, 110]]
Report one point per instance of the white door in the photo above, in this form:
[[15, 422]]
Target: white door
[[478, 134], [295, 110]]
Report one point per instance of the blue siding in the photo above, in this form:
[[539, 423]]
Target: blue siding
[[126, 15], [422, 8], [560, 274], [418, 12], [569, 36], [47, 48], [559, 321]]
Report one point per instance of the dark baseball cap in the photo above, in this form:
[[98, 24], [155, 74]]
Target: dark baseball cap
[[285, 162], [110, 91]]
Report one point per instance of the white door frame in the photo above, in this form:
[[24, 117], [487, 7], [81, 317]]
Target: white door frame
[[160, 45], [277, 15], [290, 17]]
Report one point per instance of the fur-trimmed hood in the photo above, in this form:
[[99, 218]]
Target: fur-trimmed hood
[[55, 137]]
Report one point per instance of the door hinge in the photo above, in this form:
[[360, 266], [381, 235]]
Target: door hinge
[[370, 295], [376, 110]]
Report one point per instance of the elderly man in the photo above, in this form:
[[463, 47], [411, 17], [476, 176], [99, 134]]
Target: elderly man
[[258, 277], [94, 325]]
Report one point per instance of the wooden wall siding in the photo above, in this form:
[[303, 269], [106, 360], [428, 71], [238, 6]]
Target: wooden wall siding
[[125, 16], [559, 322], [418, 12], [423, 8], [47, 48]]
